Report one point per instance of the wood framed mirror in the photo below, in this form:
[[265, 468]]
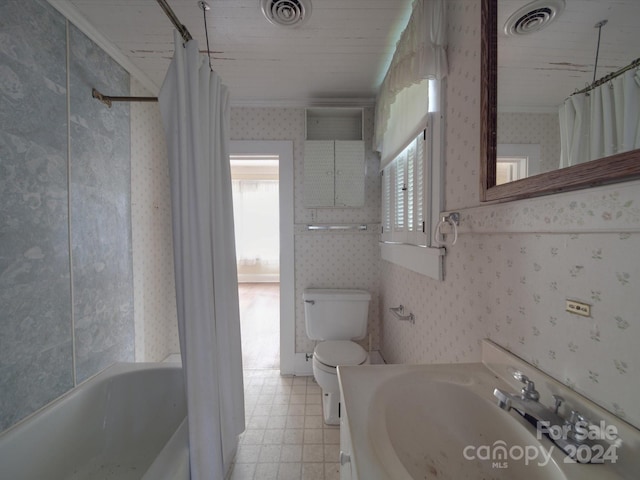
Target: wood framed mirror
[[611, 169]]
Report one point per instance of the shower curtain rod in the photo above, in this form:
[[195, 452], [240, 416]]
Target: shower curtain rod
[[184, 33], [186, 36], [607, 78]]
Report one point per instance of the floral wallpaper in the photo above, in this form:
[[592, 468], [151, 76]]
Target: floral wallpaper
[[155, 311], [515, 265]]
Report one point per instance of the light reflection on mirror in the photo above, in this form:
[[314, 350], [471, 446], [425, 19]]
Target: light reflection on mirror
[[539, 71]]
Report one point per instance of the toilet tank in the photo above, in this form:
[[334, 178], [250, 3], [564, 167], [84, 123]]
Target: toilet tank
[[332, 314]]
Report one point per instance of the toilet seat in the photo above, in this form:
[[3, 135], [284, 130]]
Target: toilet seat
[[332, 353]]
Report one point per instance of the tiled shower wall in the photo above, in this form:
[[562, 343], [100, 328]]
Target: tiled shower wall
[[331, 260], [66, 296], [514, 265]]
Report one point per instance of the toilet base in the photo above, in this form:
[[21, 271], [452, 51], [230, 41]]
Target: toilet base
[[327, 379], [331, 408]]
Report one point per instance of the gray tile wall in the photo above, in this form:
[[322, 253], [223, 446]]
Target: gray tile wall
[[100, 210], [36, 324]]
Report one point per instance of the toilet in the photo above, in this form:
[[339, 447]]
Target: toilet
[[334, 318]]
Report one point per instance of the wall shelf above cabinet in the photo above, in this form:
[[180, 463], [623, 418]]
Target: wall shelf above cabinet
[[329, 123]]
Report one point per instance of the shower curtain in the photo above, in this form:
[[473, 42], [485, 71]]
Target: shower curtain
[[194, 105], [602, 122]]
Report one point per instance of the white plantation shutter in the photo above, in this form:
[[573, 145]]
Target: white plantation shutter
[[403, 196], [387, 203], [400, 193], [411, 182], [418, 236], [420, 181]]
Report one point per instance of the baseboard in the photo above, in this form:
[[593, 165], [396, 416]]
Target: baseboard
[[303, 365]]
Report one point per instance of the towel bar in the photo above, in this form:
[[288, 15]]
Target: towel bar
[[336, 227], [399, 314]]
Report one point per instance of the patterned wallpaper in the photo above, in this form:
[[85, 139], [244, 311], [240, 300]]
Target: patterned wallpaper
[[154, 284], [319, 256], [514, 265]]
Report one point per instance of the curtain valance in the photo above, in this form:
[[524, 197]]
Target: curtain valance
[[420, 55]]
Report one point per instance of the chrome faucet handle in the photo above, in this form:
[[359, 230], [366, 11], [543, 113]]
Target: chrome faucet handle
[[575, 420], [576, 417], [529, 390], [504, 401]]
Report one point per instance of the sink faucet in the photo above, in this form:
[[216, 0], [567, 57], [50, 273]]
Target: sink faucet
[[526, 402], [547, 420]]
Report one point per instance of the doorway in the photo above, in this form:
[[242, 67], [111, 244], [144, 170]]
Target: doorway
[[262, 174], [254, 180]]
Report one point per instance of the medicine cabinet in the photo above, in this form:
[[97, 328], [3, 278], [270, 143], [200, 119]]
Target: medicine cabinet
[[334, 172]]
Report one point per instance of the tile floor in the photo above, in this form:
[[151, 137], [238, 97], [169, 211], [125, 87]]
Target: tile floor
[[285, 438]]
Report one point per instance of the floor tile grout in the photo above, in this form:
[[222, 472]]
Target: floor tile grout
[[285, 436]]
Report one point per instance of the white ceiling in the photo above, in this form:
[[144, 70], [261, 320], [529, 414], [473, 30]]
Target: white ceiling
[[339, 55], [536, 72]]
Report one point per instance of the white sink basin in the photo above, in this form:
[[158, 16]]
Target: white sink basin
[[417, 422], [437, 426]]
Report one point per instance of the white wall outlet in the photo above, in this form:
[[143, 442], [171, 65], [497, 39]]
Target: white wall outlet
[[578, 308]]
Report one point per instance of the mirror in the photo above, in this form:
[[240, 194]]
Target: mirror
[[504, 100]]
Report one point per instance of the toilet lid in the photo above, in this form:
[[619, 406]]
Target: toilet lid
[[340, 352]]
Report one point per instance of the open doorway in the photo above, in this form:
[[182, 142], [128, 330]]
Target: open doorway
[[262, 178], [256, 212]]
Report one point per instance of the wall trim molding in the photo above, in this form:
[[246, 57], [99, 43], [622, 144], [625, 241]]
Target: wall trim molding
[[604, 209], [302, 103]]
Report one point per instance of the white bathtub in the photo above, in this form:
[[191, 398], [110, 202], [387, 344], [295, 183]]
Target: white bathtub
[[128, 422]]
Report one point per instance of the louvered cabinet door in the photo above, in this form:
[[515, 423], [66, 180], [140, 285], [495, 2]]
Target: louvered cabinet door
[[319, 168], [349, 173]]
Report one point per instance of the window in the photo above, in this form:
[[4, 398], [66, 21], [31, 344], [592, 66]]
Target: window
[[403, 196], [410, 199]]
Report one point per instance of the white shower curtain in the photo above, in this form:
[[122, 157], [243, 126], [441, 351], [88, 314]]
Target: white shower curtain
[[602, 122], [194, 105]]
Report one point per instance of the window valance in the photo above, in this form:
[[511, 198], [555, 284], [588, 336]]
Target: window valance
[[419, 56]]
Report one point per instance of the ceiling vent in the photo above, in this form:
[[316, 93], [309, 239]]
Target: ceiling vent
[[288, 13], [533, 17]]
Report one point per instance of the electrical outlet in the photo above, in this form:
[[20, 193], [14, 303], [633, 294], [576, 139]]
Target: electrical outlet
[[578, 308]]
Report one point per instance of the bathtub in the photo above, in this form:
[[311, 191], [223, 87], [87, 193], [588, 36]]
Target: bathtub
[[127, 422]]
